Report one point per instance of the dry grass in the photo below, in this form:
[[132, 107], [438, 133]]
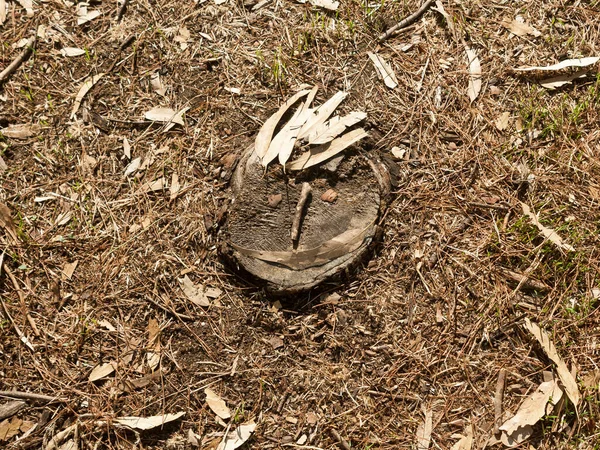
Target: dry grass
[[394, 340]]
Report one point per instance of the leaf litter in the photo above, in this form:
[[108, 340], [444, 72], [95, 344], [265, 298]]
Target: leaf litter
[[217, 404]]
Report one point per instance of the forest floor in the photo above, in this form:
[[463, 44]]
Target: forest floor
[[103, 213]]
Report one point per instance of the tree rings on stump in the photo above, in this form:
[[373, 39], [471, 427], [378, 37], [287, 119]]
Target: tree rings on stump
[[339, 221]]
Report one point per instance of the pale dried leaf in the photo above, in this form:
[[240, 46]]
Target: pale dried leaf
[[102, 371], [424, 431], [20, 131], [3, 10], [320, 115], [502, 121], [578, 62], [28, 6], [548, 233], [217, 404], [84, 16], [68, 269], [564, 374], [561, 80], [126, 148], [331, 5], [63, 218], [83, 90], [147, 423], [3, 165], [237, 437], [72, 51], [106, 324], [264, 136], [533, 407], [384, 70], [153, 186], [334, 127], [282, 144], [465, 442], [303, 257], [449, 21], [157, 84], [133, 166], [163, 114], [323, 153], [520, 28], [194, 293], [175, 186], [517, 437], [474, 74]]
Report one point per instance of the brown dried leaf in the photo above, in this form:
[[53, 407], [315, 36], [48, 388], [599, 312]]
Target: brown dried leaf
[[10, 428], [424, 430], [3, 9], [20, 131], [502, 121], [238, 437], [6, 222], [217, 404], [465, 442], [68, 270], [520, 28], [564, 374], [194, 293]]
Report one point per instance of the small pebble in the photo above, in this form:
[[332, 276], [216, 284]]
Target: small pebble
[[275, 200], [329, 196]]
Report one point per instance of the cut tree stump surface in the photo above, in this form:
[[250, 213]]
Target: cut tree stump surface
[[333, 235]]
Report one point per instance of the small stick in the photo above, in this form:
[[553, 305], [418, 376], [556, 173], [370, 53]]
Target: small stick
[[13, 66], [122, 10], [498, 398], [30, 396], [299, 209], [406, 22], [343, 443]]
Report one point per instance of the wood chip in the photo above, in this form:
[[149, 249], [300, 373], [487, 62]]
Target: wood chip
[[329, 196]]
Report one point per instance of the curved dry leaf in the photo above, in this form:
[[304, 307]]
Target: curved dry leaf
[[163, 114], [320, 115], [6, 222], [83, 90], [474, 74], [72, 51], [578, 62], [217, 404], [517, 437], [237, 437], [424, 431], [384, 70], [548, 233], [334, 127], [102, 371], [326, 151], [303, 258], [147, 423], [133, 166], [264, 136], [564, 374], [533, 407], [194, 293], [157, 84], [465, 442], [83, 16], [561, 80]]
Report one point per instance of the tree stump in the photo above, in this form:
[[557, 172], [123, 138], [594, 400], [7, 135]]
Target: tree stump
[[339, 222]]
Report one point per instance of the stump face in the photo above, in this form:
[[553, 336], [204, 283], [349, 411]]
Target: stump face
[[332, 236]]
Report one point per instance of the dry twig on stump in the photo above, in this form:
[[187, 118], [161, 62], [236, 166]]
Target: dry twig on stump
[[299, 209]]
